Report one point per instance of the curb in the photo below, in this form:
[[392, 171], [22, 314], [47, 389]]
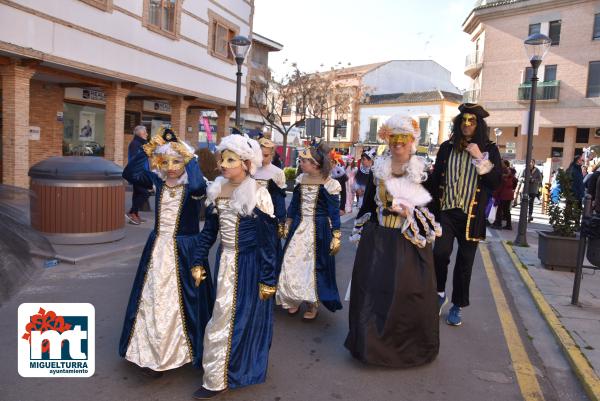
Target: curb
[[95, 255], [583, 370]]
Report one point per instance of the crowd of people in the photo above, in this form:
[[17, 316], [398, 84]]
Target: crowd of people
[[219, 316]]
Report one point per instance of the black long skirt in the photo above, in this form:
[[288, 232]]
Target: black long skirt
[[394, 318]]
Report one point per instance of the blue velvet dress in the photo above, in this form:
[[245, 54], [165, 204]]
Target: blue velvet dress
[[238, 336], [166, 314], [308, 269]]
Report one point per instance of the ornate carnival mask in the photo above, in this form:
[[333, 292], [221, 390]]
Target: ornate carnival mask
[[173, 163], [230, 159], [396, 139], [469, 119]]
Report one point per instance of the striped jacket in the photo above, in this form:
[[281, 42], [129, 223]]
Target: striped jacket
[[486, 185]]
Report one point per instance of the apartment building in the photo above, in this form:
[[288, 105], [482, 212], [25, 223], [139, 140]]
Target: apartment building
[[568, 94]]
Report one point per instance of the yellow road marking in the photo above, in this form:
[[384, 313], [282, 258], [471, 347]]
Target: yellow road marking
[[581, 366], [528, 382]]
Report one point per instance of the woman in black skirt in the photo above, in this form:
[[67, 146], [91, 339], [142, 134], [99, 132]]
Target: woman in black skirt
[[393, 300]]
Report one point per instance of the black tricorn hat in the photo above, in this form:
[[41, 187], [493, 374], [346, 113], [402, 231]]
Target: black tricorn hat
[[473, 108]]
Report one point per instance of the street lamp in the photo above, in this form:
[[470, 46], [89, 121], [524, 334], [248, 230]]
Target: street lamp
[[239, 45], [536, 47]]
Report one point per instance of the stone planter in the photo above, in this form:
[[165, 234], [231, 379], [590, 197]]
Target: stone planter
[[557, 253]]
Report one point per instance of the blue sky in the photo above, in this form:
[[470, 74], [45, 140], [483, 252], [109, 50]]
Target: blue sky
[[316, 32]]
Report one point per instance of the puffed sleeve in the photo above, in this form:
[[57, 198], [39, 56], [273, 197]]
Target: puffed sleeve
[[137, 173], [279, 179], [332, 194], [263, 201]]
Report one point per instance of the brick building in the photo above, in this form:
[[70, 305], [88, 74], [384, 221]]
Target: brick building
[[568, 106], [78, 75]]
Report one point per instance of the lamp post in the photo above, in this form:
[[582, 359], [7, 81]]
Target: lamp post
[[536, 47], [239, 45]]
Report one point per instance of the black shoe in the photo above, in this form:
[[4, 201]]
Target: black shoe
[[205, 394], [530, 219], [152, 373]]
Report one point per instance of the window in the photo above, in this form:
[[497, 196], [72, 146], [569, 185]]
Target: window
[[340, 129], [372, 130], [528, 75], [221, 31], [83, 130], [558, 135], [104, 5], [550, 73], [162, 16], [583, 135], [554, 32], [285, 108], [222, 38], [556, 152], [593, 87], [534, 28], [596, 35]]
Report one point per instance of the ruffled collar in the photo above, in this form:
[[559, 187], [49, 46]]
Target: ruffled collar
[[243, 198]]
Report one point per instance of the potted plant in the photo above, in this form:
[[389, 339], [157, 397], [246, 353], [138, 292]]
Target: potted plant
[[290, 177], [557, 249]]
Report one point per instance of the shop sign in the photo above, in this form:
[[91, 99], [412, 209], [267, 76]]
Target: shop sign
[[85, 94], [157, 106]]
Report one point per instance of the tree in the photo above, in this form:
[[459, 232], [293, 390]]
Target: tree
[[288, 101]]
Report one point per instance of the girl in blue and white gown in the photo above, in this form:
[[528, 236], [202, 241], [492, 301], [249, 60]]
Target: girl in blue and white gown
[[313, 217], [238, 336]]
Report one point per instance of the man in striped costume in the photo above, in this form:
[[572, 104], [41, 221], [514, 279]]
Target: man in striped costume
[[467, 170]]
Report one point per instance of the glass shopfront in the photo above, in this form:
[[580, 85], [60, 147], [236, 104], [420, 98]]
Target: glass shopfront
[[83, 133]]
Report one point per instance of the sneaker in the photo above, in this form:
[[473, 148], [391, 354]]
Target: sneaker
[[441, 302], [141, 219], [454, 318], [132, 219]]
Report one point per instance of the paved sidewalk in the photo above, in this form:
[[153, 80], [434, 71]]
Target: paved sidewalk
[[582, 321]]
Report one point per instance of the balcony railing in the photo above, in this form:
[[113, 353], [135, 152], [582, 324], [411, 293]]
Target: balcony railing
[[471, 96], [473, 63], [545, 91]]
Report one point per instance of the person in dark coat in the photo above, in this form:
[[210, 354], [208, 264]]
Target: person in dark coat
[[467, 171], [577, 177], [504, 196], [535, 182], [140, 193]]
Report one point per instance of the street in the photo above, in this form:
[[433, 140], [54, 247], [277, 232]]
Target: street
[[308, 360]]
